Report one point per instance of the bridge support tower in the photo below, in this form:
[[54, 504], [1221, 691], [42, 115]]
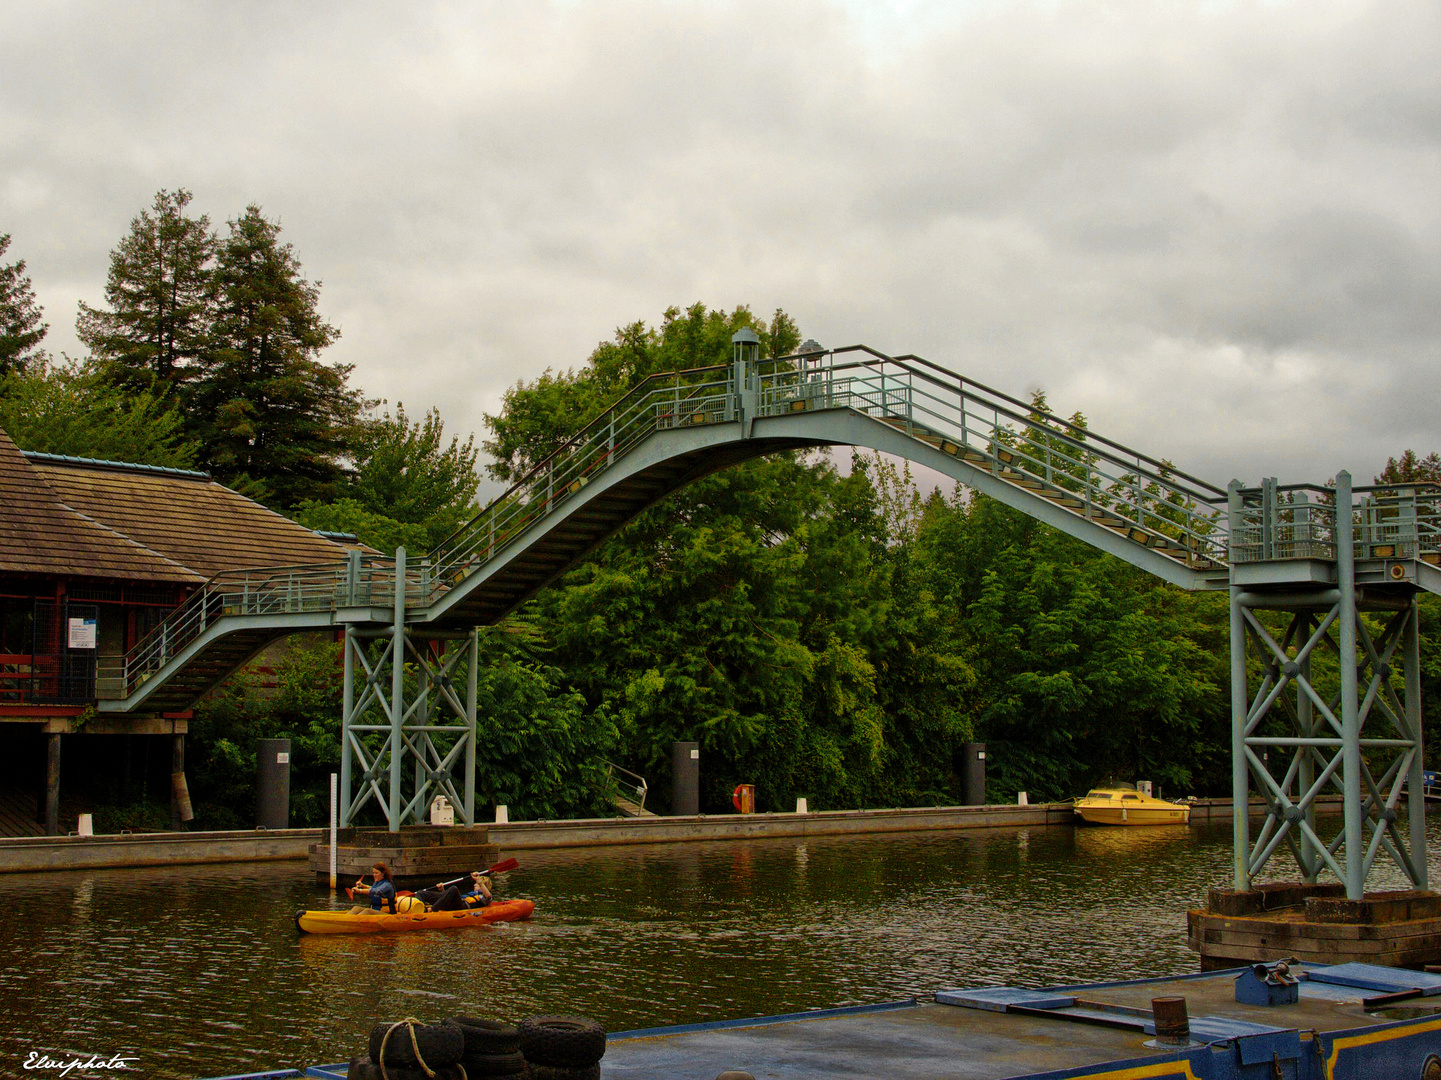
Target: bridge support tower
[[1325, 700], [408, 731]]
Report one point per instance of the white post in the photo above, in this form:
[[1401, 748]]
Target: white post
[[333, 780], [801, 805], [502, 814], [1022, 799]]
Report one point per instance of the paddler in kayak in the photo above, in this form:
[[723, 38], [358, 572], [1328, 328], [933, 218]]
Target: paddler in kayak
[[449, 897], [381, 890]]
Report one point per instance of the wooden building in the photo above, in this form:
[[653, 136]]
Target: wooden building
[[93, 554]]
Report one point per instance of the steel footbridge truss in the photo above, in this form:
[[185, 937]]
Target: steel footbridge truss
[[1282, 552]]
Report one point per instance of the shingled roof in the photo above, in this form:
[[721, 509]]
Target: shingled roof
[[74, 517], [39, 535], [185, 516]]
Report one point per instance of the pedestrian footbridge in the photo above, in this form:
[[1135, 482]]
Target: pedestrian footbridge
[[1322, 553]]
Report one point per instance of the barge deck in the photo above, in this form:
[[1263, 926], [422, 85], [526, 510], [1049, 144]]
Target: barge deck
[[1349, 1022]]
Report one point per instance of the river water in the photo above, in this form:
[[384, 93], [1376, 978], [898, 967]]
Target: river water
[[200, 971]]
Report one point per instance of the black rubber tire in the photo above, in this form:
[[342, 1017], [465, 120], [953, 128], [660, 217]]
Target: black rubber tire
[[493, 1064], [566, 1041], [362, 1068], [440, 1044], [487, 1036], [562, 1072]]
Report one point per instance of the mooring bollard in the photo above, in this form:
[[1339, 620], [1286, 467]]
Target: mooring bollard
[[1022, 799], [801, 806], [85, 826], [502, 814], [1173, 1022]]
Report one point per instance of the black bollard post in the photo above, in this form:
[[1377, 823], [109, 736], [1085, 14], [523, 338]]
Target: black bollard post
[[973, 778], [272, 784], [685, 779]]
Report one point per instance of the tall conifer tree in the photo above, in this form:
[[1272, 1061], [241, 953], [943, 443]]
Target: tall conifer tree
[[159, 297], [265, 407], [21, 325]]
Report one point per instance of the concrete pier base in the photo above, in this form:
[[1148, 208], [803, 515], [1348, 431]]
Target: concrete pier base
[[1316, 923], [417, 855]]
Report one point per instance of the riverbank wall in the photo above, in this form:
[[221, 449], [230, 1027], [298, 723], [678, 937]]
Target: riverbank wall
[[40, 854]]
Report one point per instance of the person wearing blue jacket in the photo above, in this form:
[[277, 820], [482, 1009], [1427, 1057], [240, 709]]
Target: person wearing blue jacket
[[381, 890]]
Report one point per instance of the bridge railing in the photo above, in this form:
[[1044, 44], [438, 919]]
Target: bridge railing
[[1055, 457], [265, 591], [661, 402], [1148, 499], [1298, 521]]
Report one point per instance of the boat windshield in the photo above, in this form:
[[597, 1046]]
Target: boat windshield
[[1098, 795]]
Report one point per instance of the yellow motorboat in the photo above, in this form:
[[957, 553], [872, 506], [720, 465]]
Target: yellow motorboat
[[1120, 804]]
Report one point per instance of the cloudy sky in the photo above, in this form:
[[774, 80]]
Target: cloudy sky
[[1212, 227]]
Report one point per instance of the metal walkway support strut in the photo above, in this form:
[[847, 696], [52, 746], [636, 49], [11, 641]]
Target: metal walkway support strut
[[408, 712]]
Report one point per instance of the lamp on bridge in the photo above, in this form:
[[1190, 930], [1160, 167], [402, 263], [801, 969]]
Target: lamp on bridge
[[745, 346]]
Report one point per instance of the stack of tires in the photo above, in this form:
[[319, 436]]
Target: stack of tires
[[411, 1050], [561, 1047], [492, 1048], [468, 1048]]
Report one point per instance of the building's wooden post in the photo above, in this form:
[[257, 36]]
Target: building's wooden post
[[177, 765], [52, 784]]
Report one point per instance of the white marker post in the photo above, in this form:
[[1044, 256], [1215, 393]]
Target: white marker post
[[334, 779]]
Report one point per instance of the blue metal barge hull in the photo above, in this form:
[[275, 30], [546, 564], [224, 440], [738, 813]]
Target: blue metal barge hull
[[1349, 1022]]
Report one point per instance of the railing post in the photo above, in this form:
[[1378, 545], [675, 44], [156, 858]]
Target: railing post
[[352, 578], [1408, 535]]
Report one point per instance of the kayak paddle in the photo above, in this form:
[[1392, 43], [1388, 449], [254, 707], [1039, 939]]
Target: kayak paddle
[[498, 868]]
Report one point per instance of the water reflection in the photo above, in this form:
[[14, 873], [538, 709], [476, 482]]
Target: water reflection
[[203, 973]]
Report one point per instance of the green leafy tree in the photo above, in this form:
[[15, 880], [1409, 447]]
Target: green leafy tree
[[263, 405], [405, 470], [72, 409], [160, 303], [353, 516], [22, 325], [409, 488], [537, 418], [1085, 667]]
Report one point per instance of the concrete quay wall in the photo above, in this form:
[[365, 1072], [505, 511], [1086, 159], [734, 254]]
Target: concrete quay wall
[[38, 854]]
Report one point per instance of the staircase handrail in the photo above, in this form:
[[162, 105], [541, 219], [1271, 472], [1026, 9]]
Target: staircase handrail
[[300, 587], [635, 782], [617, 429]]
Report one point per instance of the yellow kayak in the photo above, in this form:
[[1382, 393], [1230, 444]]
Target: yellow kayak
[[1127, 806], [343, 922]]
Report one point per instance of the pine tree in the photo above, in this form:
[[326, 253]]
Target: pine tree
[[265, 408], [21, 328], [158, 290]]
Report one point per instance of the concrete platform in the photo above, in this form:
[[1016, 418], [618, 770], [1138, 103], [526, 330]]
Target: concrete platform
[[41, 853], [416, 854], [1316, 923]]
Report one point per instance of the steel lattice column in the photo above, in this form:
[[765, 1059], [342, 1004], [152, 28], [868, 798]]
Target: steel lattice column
[[408, 712], [1363, 740]]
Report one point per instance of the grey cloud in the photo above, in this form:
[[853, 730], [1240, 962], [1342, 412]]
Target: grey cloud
[[1211, 228]]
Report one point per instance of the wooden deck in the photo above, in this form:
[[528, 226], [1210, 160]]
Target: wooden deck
[[17, 813]]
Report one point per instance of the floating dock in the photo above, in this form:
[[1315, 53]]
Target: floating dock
[[1338, 1022]]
